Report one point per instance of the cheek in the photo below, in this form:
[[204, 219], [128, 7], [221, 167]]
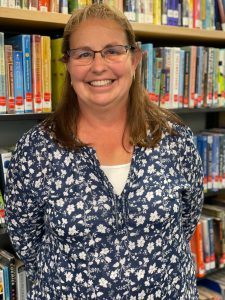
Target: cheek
[[75, 74]]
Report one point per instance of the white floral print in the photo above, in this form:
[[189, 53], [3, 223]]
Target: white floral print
[[80, 240]]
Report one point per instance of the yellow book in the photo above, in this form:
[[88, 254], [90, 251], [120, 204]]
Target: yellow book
[[46, 74], [157, 12], [58, 71]]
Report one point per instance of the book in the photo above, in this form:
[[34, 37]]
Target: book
[[2, 75], [57, 71], [206, 241], [46, 74], [218, 242], [22, 43], [18, 81], [4, 266], [2, 296], [21, 280], [217, 212], [36, 72], [12, 269], [148, 48], [10, 101], [5, 157], [197, 249], [2, 210], [174, 77], [44, 5], [208, 294], [130, 10], [191, 73]]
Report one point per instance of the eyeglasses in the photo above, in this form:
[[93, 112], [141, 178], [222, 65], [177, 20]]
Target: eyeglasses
[[112, 54]]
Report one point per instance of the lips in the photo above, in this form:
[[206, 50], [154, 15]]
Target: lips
[[100, 83]]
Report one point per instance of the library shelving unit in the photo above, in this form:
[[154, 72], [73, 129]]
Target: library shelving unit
[[25, 21]]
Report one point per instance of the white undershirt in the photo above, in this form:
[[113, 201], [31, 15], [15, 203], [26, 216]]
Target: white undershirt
[[117, 175]]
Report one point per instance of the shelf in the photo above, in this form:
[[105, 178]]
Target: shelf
[[27, 116], [11, 18], [198, 110]]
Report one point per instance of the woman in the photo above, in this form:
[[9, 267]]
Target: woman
[[103, 198]]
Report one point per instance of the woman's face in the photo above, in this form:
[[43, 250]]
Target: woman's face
[[101, 84]]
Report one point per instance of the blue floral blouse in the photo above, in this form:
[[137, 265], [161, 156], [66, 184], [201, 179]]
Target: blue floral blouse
[[80, 240]]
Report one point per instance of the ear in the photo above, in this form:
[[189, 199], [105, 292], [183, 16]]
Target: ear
[[137, 56]]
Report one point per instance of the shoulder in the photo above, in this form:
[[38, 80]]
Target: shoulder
[[179, 132], [34, 141]]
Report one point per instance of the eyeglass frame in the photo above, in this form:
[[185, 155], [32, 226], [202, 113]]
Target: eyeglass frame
[[127, 47]]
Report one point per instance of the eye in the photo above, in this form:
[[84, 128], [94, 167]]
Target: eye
[[117, 50], [81, 54]]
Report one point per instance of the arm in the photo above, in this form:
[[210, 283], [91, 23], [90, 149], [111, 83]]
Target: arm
[[23, 202], [192, 198]]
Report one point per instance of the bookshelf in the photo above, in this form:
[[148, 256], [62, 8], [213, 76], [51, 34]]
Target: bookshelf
[[13, 20]]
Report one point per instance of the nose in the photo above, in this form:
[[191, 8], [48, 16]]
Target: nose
[[98, 63]]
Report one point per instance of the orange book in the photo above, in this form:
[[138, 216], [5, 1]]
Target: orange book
[[197, 250], [36, 72], [44, 5]]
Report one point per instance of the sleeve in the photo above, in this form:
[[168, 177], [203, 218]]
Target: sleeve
[[193, 196], [23, 202]]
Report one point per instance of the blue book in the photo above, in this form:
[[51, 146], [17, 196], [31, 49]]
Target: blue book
[[22, 42], [170, 18], [202, 146], [6, 279], [149, 49], [199, 77], [215, 161], [18, 81]]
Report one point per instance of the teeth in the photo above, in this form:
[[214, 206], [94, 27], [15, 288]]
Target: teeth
[[101, 82]]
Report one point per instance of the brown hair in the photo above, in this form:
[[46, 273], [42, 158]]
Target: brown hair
[[142, 114]]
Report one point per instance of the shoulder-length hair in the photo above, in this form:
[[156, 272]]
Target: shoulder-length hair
[[142, 114]]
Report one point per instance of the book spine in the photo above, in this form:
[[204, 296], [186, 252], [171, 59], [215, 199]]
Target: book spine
[[211, 243], [44, 5], [10, 101], [206, 243], [199, 76], [215, 77], [2, 76], [202, 143], [186, 78], [130, 10], [174, 77], [218, 242], [157, 12], [46, 74], [36, 72], [33, 5], [27, 76], [210, 159], [181, 79], [192, 77], [164, 12], [221, 13], [18, 81], [221, 76], [169, 12], [199, 247], [215, 163]]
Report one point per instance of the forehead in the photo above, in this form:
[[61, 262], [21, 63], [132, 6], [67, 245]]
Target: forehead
[[97, 32]]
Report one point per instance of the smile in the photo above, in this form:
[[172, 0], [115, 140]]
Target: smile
[[101, 82]]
